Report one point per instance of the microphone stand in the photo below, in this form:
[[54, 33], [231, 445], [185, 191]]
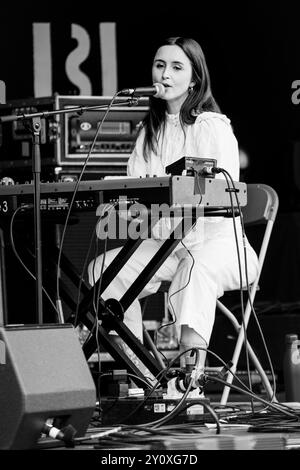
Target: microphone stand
[[36, 126], [36, 171]]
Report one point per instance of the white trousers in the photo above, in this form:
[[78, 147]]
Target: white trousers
[[198, 277]]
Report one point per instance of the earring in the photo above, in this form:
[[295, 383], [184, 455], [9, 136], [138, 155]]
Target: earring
[[191, 88]]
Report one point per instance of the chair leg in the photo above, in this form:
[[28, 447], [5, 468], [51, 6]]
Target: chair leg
[[236, 355]]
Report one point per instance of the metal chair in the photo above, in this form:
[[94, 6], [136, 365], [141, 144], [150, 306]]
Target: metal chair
[[261, 209]]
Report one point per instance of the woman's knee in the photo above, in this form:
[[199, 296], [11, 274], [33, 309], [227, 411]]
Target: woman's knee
[[93, 271], [96, 266]]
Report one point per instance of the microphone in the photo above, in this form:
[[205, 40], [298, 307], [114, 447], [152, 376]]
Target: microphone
[[157, 90]]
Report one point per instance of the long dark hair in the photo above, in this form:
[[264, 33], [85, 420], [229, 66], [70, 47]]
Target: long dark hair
[[200, 98]]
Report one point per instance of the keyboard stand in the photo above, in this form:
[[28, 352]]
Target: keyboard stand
[[111, 312]]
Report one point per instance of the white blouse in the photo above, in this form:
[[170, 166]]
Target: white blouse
[[210, 136]]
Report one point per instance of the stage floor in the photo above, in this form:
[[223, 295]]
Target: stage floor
[[240, 425]]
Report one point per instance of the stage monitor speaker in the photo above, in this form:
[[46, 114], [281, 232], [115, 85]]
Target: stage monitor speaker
[[44, 377]]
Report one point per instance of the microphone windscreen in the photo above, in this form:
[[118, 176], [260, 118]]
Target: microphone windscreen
[[160, 90]]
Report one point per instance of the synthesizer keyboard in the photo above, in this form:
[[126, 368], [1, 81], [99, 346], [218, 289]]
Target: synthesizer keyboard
[[171, 190]]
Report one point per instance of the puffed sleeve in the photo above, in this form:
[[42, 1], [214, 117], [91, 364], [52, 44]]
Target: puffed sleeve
[[215, 139], [136, 165]]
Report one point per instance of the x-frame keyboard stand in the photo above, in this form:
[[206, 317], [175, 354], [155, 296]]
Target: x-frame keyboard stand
[[111, 312]]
